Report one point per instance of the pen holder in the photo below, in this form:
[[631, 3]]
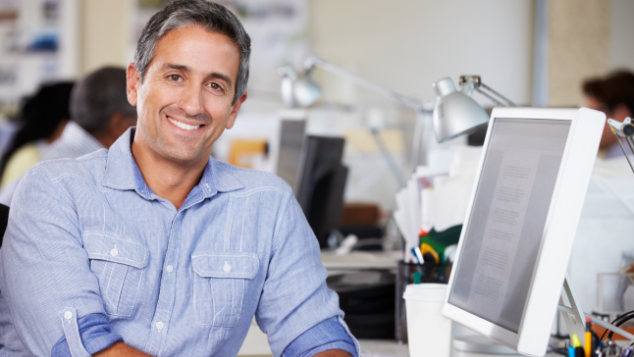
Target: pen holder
[[439, 273]]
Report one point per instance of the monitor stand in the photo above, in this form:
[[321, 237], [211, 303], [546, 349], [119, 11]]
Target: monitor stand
[[573, 316], [481, 345]]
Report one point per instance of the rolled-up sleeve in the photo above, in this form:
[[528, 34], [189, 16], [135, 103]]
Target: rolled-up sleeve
[[295, 297], [327, 335], [45, 273], [94, 335]]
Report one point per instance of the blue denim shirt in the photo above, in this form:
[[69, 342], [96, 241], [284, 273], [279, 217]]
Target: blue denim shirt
[[92, 255]]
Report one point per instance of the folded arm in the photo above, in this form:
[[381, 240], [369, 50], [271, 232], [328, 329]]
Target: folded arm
[[297, 311], [46, 277]]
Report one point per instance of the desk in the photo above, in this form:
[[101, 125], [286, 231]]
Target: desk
[[256, 345], [361, 260]]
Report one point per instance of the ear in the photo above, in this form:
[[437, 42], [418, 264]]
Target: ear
[[133, 84], [234, 110], [621, 112]]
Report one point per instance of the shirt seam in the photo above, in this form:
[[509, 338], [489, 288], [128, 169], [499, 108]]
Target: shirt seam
[[250, 192], [278, 223]]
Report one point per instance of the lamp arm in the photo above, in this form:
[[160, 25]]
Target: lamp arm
[[509, 102], [373, 86], [393, 166]]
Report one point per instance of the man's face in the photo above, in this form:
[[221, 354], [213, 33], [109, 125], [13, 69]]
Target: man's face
[[185, 100]]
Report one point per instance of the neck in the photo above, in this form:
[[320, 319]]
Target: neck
[[169, 180]]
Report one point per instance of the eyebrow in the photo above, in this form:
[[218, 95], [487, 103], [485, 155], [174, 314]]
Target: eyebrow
[[184, 68]]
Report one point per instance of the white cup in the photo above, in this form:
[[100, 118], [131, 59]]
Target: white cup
[[428, 331]]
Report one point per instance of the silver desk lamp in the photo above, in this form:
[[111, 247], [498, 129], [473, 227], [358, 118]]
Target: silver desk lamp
[[455, 112], [301, 91], [624, 130]]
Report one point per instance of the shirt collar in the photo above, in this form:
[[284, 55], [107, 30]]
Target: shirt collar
[[123, 173]]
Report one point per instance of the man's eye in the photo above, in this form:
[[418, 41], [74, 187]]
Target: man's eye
[[215, 85], [174, 77]]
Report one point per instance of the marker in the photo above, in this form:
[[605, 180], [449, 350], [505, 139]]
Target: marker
[[571, 351], [588, 346], [579, 352], [417, 276]]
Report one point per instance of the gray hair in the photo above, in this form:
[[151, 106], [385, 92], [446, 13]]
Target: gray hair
[[212, 16], [97, 97]]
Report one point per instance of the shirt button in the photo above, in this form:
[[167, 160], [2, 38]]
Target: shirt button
[[114, 252], [160, 325], [68, 315], [170, 268], [226, 268]]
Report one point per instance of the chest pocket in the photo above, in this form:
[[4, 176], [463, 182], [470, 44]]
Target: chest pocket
[[118, 264], [220, 285]]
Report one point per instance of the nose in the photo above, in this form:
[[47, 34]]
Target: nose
[[190, 100]]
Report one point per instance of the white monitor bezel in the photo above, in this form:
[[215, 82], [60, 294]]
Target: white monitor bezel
[[561, 223]]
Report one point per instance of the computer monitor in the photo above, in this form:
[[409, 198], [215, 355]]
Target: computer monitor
[[523, 213], [321, 184], [289, 153]]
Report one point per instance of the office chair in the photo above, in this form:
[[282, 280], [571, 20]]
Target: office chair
[[4, 219]]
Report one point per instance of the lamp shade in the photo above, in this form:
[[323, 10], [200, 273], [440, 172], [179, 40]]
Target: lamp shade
[[298, 91], [455, 113]]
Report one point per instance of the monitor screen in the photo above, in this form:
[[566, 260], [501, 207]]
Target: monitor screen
[[506, 225], [321, 184]]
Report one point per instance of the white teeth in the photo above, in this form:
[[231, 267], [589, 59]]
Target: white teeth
[[183, 125]]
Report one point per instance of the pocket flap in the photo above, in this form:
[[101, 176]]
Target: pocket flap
[[115, 249], [226, 265]]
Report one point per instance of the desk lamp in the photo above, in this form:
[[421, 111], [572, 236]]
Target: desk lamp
[[455, 112], [301, 91], [624, 130]]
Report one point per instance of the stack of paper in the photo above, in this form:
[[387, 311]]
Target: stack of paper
[[436, 197]]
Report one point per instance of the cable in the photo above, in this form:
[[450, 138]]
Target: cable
[[618, 324], [627, 315]]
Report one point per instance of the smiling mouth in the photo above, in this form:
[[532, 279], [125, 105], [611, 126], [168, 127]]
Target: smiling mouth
[[183, 125]]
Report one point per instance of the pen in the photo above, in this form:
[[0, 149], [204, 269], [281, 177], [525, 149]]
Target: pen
[[588, 345], [415, 257], [418, 254]]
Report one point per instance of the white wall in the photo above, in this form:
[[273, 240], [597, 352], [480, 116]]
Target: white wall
[[622, 35], [106, 31], [409, 44]]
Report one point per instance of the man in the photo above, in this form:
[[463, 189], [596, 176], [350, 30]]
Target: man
[[613, 95], [154, 248], [100, 114]]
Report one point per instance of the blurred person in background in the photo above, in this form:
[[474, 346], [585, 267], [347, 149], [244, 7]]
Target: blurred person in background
[[42, 118], [100, 113], [613, 95]]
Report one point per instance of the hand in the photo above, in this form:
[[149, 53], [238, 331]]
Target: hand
[[333, 353], [121, 349]]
